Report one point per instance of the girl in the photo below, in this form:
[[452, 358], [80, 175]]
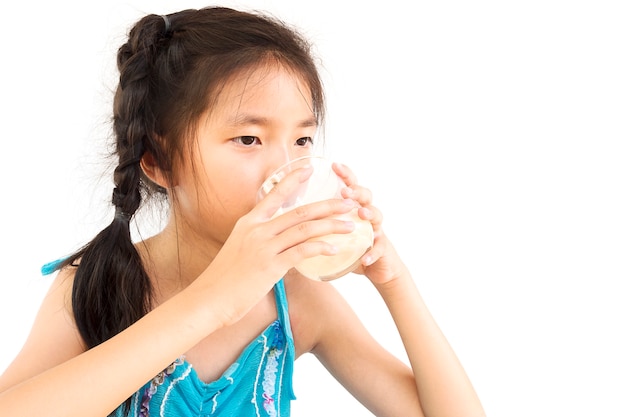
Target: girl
[[207, 316]]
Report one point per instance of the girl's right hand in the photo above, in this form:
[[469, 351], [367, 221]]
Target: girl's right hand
[[262, 248]]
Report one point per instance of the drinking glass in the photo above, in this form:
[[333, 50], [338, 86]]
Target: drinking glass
[[324, 184]]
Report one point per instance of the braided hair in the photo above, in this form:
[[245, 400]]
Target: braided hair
[[171, 69]]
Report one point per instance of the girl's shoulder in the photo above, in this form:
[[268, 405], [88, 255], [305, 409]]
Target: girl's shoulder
[[314, 308], [55, 313], [53, 338]]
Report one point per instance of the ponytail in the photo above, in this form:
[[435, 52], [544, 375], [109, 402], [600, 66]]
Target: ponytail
[[110, 285], [111, 289]]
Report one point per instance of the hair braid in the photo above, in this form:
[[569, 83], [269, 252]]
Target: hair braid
[[111, 288]]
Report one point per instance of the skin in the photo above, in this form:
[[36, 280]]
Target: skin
[[213, 268]]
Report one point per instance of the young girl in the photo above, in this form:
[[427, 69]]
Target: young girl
[[207, 316]]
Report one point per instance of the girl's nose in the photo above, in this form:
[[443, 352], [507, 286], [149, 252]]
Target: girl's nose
[[279, 157]]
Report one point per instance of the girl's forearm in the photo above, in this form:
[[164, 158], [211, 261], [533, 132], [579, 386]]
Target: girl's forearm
[[97, 381], [443, 386]]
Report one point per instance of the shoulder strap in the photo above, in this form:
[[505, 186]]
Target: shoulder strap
[[290, 354], [50, 267], [283, 309]]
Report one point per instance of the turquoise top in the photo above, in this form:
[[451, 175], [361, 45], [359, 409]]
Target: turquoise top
[[258, 384]]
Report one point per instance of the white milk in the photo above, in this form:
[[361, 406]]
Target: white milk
[[351, 247]]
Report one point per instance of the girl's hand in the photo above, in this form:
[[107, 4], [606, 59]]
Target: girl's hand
[[381, 264], [262, 248]]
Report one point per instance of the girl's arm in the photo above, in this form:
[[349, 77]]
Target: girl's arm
[[52, 377], [443, 388], [442, 384], [435, 385]]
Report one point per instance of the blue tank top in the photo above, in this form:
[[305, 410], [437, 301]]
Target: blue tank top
[[258, 384]]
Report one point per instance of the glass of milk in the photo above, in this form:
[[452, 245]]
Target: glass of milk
[[324, 184]]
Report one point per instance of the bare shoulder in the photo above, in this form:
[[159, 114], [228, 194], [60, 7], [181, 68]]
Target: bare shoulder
[[314, 308], [53, 338]]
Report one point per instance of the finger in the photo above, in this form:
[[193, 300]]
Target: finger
[[361, 194], [376, 251], [313, 211], [345, 173], [305, 250], [353, 190], [315, 230], [370, 257], [283, 191], [372, 214]]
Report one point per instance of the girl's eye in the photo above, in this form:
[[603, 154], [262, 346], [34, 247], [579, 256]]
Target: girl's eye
[[304, 141], [247, 140]]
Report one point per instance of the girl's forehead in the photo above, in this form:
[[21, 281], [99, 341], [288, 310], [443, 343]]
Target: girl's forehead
[[267, 79], [259, 90]]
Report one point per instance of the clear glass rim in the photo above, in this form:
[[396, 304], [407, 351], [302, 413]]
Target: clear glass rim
[[275, 177]]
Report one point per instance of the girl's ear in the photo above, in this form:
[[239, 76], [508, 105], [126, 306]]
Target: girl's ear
[[152, 170]]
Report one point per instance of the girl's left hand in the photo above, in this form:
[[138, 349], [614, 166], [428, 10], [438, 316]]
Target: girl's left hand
[[381, 264]]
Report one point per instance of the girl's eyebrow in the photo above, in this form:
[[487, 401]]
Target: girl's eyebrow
[[243, 119]]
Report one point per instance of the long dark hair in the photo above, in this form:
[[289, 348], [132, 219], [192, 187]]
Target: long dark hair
[[171, 67]]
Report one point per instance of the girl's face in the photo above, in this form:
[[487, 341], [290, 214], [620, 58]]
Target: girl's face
[[260, 120]]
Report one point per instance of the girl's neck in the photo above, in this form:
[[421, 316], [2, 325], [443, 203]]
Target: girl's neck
[[173, 259]]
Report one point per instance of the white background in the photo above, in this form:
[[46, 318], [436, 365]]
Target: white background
[[491, 132]]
